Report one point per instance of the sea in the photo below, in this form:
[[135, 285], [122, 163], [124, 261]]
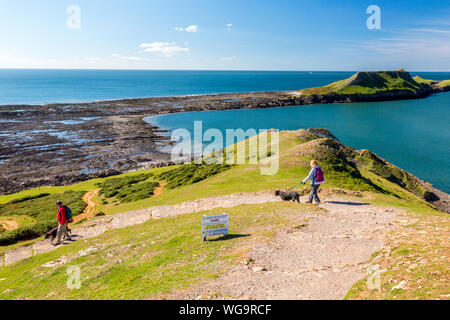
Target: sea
[[412, 134]]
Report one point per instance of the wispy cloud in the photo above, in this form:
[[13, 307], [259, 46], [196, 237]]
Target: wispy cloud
[[229, 26], [129, 58], [166, 48], [192, 28], [431, 30], [228, 58], [402, 47]]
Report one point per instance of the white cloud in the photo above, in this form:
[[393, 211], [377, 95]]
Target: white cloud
[[228, 58], [229, 25], [192, 28], [166, 48], [431, 30]]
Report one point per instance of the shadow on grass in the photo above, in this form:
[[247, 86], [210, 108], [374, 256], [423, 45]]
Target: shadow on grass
[[230, 237], [349, 203]]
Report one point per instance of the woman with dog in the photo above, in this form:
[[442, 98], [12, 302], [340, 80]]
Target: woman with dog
[[63, 222], [317, 178]]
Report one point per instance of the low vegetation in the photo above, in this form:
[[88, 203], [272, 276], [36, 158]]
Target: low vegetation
[[390, 172], [128, 188], [41, 210], [191, 173]]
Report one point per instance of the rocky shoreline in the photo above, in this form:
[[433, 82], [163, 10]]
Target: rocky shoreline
[[61, 144]]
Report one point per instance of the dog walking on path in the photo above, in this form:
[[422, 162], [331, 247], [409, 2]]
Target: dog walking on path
[[316, 177]]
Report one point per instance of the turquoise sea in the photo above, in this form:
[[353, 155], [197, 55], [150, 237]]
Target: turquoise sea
[[413, 134]]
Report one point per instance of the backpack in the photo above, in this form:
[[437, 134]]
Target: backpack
[[319, 175], [68, 213]]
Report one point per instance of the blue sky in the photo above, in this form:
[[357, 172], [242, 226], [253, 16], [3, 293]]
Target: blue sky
[[229, 35]]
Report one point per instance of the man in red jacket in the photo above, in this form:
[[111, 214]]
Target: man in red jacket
[[62, 220]]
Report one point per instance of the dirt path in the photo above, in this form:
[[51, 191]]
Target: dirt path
[[321, 261], [159, 191], [98, 226], [9, 224], [89, 212]]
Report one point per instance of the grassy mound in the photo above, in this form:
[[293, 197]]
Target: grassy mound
[[42, 209], [370, 82], [422, 80], [394, 174], [191, 173], [345, 165], [444, 84], [128, 188]]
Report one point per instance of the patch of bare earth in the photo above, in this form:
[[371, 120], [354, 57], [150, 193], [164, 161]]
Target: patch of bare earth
[[319, 259], [159, 190], [9, 224], [90, 211]]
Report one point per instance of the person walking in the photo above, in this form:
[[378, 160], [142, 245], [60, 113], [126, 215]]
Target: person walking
[[63, 222], [317, 178]]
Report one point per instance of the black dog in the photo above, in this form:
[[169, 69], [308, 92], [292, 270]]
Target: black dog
[[288, 196], [52, 233]]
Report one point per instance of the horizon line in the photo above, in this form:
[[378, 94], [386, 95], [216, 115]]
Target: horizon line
[[229, 70]]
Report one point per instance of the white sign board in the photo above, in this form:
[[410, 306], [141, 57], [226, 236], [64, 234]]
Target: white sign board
[[214, 225]]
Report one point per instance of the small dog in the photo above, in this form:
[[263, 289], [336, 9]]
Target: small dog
[[288, 196], [53, 233]]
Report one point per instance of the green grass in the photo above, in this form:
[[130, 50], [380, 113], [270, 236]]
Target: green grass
[[422, 80], [39, 211], [444, 83], [372, 82], [162, 255], [147, 260], [417, 255]]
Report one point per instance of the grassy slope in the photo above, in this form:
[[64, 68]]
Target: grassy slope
[[444, 83], [369, 83], [158, 256], [441, 84], [149, 259], [422, 80]]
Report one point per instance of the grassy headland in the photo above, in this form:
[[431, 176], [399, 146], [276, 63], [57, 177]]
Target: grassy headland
[[372, 83], [159, 256]]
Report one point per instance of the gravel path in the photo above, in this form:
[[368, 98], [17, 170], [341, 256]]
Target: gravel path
[[98, 226], [321, 261]]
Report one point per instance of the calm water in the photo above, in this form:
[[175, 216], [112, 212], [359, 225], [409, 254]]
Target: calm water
[[50, 86], [412, 134]]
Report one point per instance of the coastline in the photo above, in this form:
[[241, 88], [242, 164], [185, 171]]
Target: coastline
[[53, 145]]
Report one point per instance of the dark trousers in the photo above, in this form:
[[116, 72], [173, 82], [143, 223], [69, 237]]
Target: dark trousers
[[313, 194]]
